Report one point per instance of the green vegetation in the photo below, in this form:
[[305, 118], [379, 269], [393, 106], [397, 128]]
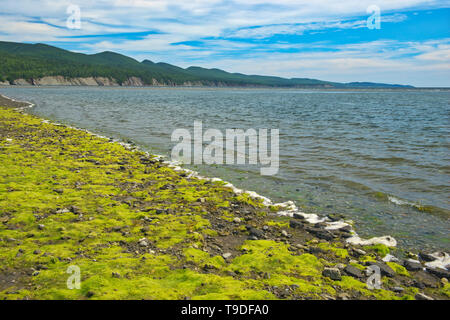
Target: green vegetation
[[35, 61], [137, 229]]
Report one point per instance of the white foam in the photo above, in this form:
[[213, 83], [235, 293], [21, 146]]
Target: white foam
[[442, 261], [386, 240]]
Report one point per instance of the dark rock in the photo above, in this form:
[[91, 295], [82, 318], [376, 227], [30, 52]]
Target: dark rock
[[335, 217], [412, 266], [89, 294], [358, 252], [353, 271], [298, 216], [426, 257], [321, 234], [295, 224], [384, 269], [424, 279], [332, 273], [439, 272], [421, 296], [255, 232]]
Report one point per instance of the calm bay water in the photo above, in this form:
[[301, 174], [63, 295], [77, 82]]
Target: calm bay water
[[375, 156]]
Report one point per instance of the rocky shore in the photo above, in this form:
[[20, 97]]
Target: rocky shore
[[140, 228]]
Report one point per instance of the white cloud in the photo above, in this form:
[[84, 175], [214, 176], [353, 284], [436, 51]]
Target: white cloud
[[193, 20]]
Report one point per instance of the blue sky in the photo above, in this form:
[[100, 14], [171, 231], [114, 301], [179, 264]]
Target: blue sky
[[323, 39]]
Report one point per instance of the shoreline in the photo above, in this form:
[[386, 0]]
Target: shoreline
[[437, 89], [333, 235]]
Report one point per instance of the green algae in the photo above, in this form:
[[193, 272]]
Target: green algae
[[339, 252], [381, 249], [136, 228]]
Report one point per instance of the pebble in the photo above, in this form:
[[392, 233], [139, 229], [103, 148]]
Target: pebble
[[143, 242], [237, 220], [41, 226], [226, 255], [284, 233]]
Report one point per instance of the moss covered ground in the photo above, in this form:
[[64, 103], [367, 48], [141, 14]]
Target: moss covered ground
[[137, 229]]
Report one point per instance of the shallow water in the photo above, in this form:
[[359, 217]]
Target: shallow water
[[374, 156]]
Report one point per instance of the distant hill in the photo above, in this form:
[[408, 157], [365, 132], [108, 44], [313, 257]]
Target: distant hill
[[41, 64]]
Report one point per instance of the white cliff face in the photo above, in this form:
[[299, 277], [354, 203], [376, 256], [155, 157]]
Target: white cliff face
[[89, 81], [133, 82]]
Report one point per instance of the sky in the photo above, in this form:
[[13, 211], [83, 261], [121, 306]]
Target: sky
[[333, 40]]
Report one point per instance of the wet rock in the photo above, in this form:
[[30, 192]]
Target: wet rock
[[426, 257], [439, 272], [255, 232], [295, 224], [353, 271], [421, 296], [298, 216], [335, 217], [424, 279], [412, 265], [75, 210], [332, 273], [321, 233]]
